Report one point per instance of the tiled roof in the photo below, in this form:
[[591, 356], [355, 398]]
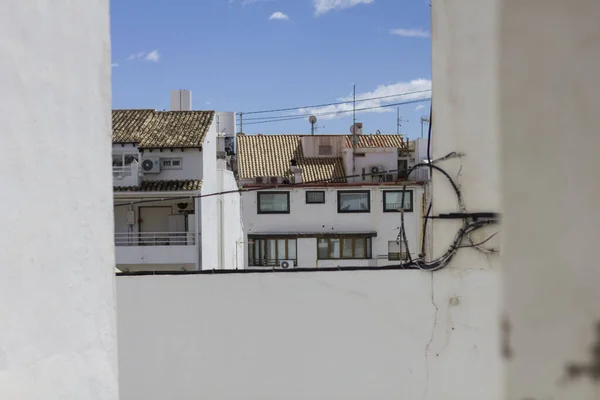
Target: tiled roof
[[270, 155], [162, 186], [376, 141], [160, 129]]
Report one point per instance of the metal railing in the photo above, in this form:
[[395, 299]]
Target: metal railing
[[155, 239], [119, 172]]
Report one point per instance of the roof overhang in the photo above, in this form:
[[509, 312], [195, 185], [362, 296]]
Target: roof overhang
[[259, 235]]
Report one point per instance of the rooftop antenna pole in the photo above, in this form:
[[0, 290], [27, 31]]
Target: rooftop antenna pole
[[241, 123], [398, 120], [354, 104]]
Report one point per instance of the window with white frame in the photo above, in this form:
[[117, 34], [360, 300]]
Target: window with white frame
[[395, 251], [392, 201], [354, 201], [273, 202], [171, 163], [124, 159]]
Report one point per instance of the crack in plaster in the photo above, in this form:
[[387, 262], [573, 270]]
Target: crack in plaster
[[430, 339]]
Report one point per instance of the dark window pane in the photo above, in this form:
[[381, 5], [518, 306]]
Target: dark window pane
[[322, 249], [347, 248]]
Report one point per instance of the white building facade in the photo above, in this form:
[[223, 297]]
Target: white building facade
[[164, 166], [323, 201]]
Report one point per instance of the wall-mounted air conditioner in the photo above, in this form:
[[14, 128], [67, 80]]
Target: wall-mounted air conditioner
[[259, 179], [151, 165], [286, 264], [275, 179], [376, 170]]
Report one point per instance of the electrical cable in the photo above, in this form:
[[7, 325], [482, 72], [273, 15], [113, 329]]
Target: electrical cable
[[280, 118], [335, 103], [339, 179]]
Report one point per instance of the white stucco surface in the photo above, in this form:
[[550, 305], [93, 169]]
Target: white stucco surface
[[232, 243], [191, 164], [321, 335], [57, 310], [465, 116], [209, 221], [549, 108]]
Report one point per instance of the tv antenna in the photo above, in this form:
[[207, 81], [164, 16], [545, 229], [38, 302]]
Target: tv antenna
[[424, 120], [399, 121], [313, 120]]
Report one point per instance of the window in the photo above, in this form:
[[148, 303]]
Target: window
[[360, 155], [171, 163], [265, 252], [392, 201], [395, 253], [325, 150], [273, 202], [403, 169], [354, 201], [123, 159], [315, 197], [343, 247]]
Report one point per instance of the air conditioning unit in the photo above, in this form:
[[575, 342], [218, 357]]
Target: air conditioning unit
[[376, 170], [389, 178], [259, 179], [151, 165], [286, 264], [274, 179]]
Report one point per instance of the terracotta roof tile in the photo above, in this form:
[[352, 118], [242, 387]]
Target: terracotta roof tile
[[160, 129], [270, 155], [162, 186], [395, 141]]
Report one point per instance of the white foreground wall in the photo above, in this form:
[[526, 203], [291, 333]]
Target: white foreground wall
[[464, 76], [321, 335], [57, 311], [551, 233], [231, 225]]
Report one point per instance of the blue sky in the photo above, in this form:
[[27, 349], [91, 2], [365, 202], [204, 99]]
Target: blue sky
[[246, 55]]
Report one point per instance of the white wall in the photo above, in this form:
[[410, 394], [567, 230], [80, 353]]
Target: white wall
[[232, 244], [57, 300], [192, 164], [209, 205], [465, 120], [381, 157], [549, 102], [321, 335], [324, 218]]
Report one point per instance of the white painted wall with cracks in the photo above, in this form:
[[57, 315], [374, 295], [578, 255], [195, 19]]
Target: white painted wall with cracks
[[319, 335], [57, 303]]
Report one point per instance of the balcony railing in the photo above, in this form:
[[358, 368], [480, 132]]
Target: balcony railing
[[120, 172], [155, 239]]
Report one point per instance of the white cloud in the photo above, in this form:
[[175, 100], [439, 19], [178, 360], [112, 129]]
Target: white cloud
[[324, 6], [279, 15], [114, 65], [153, 56], [422, 86], [418, 33], [419, 107]]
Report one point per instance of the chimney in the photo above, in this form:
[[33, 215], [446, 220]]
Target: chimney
[[181, 100], [296, 170]]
